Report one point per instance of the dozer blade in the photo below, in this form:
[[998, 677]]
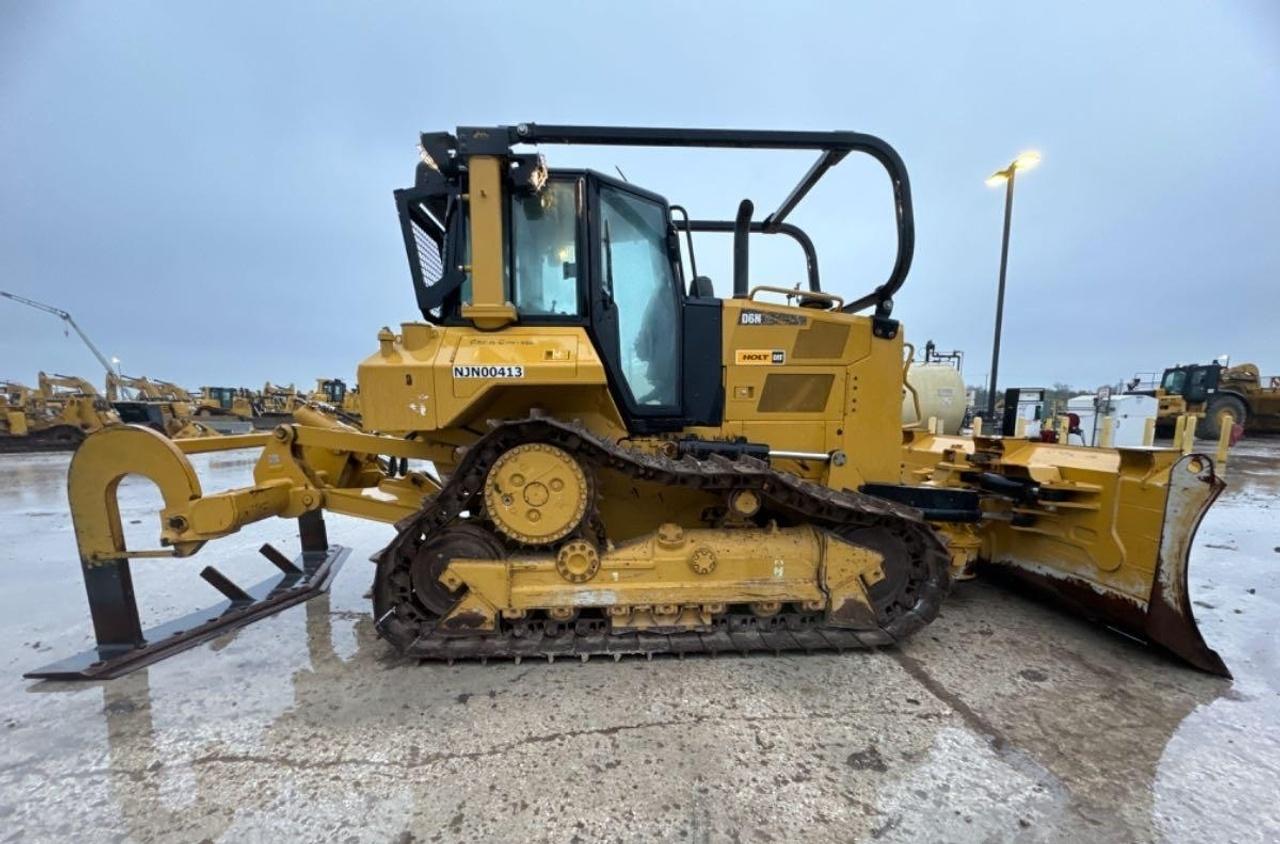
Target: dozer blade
[[1165, 618], [1107, 532]]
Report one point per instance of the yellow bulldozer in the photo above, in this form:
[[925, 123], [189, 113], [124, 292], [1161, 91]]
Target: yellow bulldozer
[[56, 416], [17, 403], [226, 401], [263, 410], [624, 462], [335, 396], [279, 399]]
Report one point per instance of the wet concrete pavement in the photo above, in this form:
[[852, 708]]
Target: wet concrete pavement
[[1005, 719]]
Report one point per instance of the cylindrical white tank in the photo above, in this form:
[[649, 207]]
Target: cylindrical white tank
[[941, 390]]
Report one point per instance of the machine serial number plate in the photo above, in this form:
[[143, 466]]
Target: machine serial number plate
[[488, 372]]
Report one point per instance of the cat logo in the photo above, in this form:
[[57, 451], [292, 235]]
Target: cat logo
[[760, 357]]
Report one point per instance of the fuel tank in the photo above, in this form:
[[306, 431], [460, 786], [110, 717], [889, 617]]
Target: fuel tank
[[939, 388]]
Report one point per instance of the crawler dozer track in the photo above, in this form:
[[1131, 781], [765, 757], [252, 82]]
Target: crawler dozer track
[[55, 438], [916, 581]]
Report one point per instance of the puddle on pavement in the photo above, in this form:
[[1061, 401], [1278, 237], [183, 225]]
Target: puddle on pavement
[[305, 722]]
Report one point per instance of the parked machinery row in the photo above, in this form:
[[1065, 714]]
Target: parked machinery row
[[54, 416], [61, 410], [275, 404]]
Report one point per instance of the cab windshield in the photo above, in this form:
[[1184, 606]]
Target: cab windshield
[[1174, 381]]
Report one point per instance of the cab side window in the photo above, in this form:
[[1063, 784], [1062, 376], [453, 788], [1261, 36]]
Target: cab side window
[[544, 237], [541, 264]]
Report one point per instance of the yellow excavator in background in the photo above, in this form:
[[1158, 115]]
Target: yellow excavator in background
[[161, 405], [623, 462], [122, 387], [74, 402], [55, 416]]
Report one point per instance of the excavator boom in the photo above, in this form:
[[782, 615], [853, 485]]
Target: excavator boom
[[65, 317]]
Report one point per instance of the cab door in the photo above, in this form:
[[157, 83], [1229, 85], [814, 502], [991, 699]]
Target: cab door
[[636, 302]]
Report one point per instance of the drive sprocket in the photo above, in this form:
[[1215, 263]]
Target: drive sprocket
[[536, 494]]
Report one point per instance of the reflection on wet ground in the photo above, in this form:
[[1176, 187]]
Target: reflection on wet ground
[[1005, 719]]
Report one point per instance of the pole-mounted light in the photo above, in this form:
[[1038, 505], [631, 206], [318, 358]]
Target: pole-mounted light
[[1007, 176]]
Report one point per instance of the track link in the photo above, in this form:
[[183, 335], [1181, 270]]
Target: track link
[[404, 622], [54, 438]]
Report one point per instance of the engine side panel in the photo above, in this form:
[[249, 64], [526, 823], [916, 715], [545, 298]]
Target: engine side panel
[[802, 379]]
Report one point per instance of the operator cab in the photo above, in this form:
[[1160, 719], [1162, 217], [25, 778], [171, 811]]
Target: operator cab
[[223, 397], [584, 249], [596, 252], [1194, 382], [334, 390]]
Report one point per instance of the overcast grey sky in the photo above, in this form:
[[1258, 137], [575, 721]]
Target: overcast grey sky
[[207, 187]]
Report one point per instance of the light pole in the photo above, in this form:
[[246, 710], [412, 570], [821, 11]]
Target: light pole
[[1024, 161]]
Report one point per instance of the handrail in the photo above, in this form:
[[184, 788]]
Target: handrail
[[800, 294], [910, 350]]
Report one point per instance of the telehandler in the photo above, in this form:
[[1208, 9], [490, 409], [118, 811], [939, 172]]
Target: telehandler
[[626, 462]]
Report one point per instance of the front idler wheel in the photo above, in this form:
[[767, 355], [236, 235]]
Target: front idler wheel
[[464, 541]]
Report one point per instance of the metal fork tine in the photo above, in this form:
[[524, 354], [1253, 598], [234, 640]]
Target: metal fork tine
[[279, 560], [226, 586]]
